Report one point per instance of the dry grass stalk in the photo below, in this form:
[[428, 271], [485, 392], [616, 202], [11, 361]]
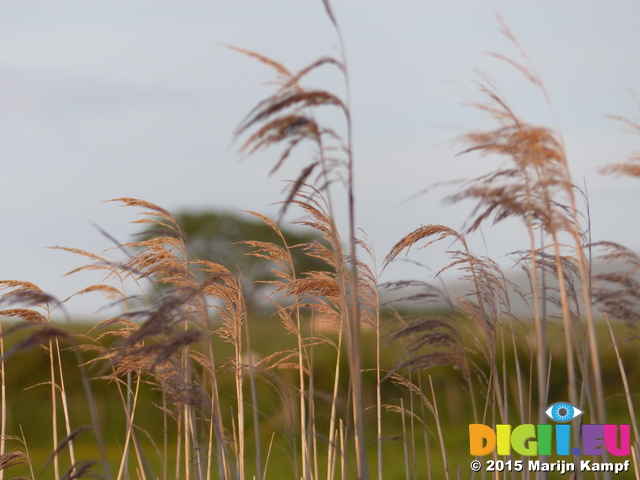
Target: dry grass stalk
[[321, 292], [538, 189], [12, 458], [630, 168], [287, 117]]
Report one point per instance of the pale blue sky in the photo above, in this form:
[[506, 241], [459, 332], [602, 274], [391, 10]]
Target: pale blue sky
[[104, 99]]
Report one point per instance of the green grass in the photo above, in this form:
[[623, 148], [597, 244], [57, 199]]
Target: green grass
[[184, 383]]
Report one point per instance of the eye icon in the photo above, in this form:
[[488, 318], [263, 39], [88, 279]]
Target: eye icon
[[563, 412]]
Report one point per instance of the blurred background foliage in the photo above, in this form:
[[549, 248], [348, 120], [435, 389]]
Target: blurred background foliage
[[219, 235]]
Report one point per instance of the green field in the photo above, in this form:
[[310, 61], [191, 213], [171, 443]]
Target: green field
[[30, 412]]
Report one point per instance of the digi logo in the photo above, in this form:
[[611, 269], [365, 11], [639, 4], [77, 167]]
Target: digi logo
[[531, 440]]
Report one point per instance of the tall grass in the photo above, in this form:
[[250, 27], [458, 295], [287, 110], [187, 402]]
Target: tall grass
[[346, 383]]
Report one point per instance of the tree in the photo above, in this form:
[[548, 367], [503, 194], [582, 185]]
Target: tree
[[218, 236]]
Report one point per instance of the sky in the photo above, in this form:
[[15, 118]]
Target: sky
[[108, 99]]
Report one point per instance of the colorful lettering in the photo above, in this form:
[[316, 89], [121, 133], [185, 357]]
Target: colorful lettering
[[530, 440]]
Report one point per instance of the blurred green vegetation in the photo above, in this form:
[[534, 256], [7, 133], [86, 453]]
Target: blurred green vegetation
[[27, 375]]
